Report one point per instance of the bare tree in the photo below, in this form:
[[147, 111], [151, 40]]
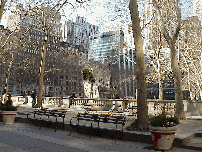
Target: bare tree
[[11, 44], [48, 17], [191, 55], [171, 40]]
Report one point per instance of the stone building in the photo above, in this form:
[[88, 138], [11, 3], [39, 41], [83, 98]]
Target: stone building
[[77, 33]]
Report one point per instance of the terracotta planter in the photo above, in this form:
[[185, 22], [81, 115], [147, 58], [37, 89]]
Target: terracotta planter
[[162, 137], [8, 117]]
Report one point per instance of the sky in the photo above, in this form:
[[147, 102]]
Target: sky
[[98, 12], [186, 8]]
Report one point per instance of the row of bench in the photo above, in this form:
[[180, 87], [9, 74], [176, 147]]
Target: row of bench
[[99, 118], [59, 113], [90, 117]]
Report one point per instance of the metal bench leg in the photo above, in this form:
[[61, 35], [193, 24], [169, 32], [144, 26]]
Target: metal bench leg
[[78, 126], [116, 133], [70, 123], [91, 129], [47, 121], [63, 118], [56, 124], [40, 122], [122, 131], [27, 120], [98, 128], [34, 118]]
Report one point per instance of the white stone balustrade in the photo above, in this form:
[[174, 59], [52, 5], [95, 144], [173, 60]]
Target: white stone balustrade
[[191, 108]]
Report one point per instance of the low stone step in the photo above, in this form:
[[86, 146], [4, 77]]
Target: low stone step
[[195, 144]]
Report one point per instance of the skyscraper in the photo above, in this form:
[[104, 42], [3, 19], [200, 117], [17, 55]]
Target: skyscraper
[[77, 33]]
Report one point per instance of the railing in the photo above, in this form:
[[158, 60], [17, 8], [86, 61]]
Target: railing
[[80, 102], [154, 106], [52, 100], [105, 104], [102, 104]]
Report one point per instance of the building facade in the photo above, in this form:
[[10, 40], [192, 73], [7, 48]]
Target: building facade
[[78, 33], [108, 48]]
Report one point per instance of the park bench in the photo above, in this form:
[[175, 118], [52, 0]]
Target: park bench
[[99, 118], [133, 108], [132, 113], [58, 113]]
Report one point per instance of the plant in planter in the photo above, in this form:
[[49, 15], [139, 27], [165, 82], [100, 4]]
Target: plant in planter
[[163, 130], [8, 112]]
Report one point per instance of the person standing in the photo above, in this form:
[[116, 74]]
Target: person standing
[[33, 95], [71, 97]]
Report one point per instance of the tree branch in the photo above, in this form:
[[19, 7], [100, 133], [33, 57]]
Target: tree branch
[[149, 21], [66, 1], [177, 7], [162, 25], [4, 44], [3, 2]]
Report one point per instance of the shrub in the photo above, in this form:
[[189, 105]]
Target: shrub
[[163, 121], [8, 106]]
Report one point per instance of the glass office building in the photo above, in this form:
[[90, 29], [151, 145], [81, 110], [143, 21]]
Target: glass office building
[[106, 46]]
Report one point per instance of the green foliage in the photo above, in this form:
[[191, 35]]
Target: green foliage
[[163, 121], [8, 106]]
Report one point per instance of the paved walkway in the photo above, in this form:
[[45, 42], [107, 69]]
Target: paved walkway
[[22, 137], [26, 137]]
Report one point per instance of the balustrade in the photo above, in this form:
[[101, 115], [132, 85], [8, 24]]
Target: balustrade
[[155, 107]]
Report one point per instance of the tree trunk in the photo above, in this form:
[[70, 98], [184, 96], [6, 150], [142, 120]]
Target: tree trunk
[[159, 70], [41, 71], [177, 82], [142, 109], [3, 2], [7, 78], [189, 83], [160, 81]]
